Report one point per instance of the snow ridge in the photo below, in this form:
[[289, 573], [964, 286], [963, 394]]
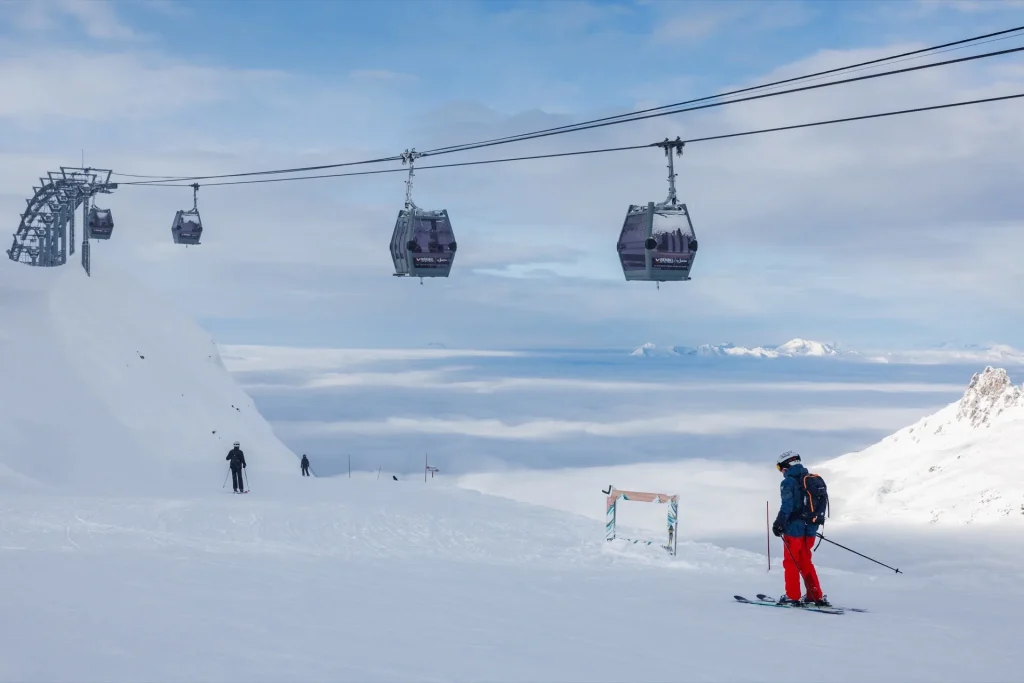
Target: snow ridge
[[988, 395], [961, 464], [109, 389]]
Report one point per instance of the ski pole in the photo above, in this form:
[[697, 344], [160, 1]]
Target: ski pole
[[246, 475], [791, 555], [768, 538], [856, 553], [226, 478]]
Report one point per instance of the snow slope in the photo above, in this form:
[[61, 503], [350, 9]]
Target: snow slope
[[365, 580], [107, 388], [963, 464], [699, 483]]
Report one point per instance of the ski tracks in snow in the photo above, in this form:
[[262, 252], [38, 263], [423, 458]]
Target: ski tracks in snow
[[435, 523]]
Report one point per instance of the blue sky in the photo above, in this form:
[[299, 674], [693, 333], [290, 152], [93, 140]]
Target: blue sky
[[876, 234]]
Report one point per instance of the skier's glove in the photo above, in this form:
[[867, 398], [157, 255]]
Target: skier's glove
[[777, 528]]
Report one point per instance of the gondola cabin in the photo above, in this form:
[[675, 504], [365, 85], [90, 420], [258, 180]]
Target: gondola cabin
[[187, 227], [657, 243], [100, 223], [423, 243]]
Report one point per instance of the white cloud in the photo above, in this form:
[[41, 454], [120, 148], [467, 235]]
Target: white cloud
[[827, 232], [439, 379], [567, 17], [97, 18], [29, 16], [569, 408], [126, 86], [424, 380], [343, 368], [168, 8], [690, 28], [998, 354], [692, 22], [690, 422], [248, 358], [971, 6]]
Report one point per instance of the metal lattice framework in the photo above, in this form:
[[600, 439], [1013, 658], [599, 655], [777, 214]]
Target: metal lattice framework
[[46, 234]]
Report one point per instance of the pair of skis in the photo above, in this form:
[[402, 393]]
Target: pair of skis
[[767, 601]]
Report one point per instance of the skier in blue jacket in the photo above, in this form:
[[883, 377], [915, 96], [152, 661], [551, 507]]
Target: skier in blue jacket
[[797, 535]]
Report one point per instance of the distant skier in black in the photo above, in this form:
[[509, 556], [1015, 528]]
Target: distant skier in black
[[237, 459], [305, 465]]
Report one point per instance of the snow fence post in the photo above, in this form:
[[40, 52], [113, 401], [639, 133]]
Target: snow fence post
[[609, 514], [673, 523]]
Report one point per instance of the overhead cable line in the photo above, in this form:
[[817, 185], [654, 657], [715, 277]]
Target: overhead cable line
[[164, 178], [938, 49], [723, 136], [750, 98], [635, 116]]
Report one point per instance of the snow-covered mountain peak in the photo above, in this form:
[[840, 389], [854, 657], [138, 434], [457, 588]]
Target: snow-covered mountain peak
[[647, 349], [726, 349], [794, 348], [804, 347], [989, 394], [961, 463]]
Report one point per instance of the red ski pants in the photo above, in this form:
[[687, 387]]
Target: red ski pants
[[796, 561]]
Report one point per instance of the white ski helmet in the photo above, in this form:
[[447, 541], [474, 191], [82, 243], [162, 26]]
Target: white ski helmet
[[786, 459], [236, 444]]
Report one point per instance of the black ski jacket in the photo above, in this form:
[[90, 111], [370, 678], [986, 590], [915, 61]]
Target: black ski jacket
[[305, 461], [237, 458]]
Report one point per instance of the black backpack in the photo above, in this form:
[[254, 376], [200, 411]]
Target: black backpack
[[815, 503]]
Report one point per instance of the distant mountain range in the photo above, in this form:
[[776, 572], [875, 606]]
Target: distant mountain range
[[794, 348], [804, 348]]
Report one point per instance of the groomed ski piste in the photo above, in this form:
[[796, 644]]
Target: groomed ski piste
[[123, 558]]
